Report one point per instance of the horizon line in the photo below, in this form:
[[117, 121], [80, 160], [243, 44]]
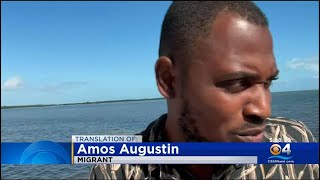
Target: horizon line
[[112, 101]]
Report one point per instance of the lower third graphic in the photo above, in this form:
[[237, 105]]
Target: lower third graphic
[[45, 152]]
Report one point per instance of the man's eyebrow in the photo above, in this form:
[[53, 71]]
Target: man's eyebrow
[[247, 75], [241, 75]]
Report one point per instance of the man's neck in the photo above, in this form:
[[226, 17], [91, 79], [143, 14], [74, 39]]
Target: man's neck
[[199, 171], [173, 132]]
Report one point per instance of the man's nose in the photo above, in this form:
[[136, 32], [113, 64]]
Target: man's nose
[[259, 106]]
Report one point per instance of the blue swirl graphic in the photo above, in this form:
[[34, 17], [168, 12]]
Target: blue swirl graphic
[[44, 152], [280, 157]]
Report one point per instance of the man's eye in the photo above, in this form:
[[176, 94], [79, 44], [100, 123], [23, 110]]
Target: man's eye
[[269, 83], [235, 86]]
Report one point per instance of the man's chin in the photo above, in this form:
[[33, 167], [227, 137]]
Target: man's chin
[[249, 138]]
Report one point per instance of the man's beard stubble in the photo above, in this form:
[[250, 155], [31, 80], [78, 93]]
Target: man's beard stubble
[[188, 126]]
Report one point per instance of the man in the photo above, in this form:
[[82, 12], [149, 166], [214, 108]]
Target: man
[[215, 67]]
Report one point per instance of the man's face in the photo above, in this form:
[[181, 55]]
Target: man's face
[[225, 94]]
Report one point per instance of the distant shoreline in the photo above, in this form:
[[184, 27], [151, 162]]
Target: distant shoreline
[[66, 104], [113, 101]]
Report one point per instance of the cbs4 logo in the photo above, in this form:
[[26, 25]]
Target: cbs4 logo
[[276, 149]]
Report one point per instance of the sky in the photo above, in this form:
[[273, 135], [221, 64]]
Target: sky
[[69, 52]]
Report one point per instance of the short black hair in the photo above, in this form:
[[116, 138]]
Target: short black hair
[[188, 21]]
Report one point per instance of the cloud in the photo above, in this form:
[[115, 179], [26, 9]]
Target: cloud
[[311, 64], [63, 86], [12, 83]]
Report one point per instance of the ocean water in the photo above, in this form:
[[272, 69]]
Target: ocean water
[[58, 123]]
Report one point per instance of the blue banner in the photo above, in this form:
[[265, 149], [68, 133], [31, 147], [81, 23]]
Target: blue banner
[[47, 152], [41, 152]]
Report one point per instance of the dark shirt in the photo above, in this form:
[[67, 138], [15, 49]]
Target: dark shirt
[[287, 130]]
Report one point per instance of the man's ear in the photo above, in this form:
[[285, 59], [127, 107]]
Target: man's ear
[[165, 76]]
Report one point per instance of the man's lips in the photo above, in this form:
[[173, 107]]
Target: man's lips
[[251, 135]]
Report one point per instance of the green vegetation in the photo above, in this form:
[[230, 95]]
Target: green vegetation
[[96, 102]]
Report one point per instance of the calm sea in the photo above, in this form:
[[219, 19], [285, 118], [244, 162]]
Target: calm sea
[[58, 123]]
